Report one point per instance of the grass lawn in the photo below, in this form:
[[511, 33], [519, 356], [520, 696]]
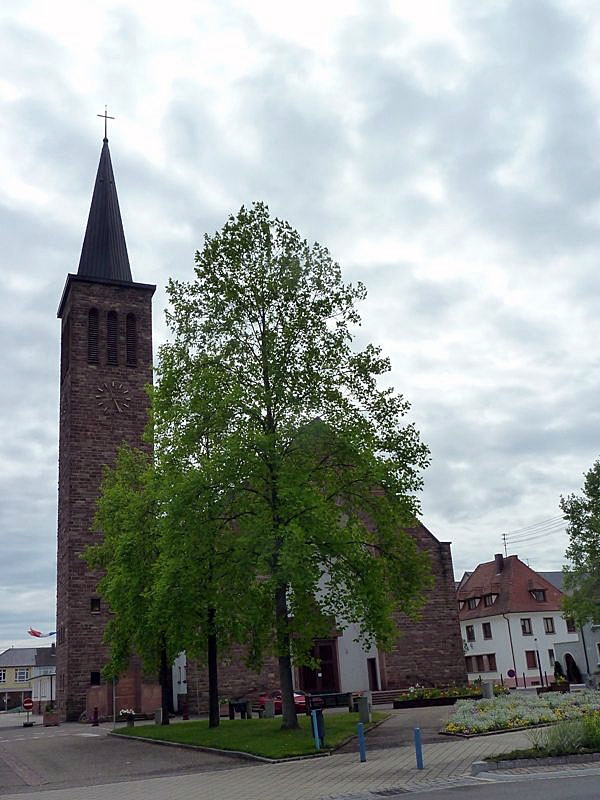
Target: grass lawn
[[261, 737]]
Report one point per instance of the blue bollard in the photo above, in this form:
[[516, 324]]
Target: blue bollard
[[361, 742], [418, 748], [315, 728]]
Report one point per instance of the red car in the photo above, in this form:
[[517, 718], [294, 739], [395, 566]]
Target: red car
[[299, 700]]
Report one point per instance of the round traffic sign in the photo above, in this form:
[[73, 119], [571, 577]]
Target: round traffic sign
[[28, 704]]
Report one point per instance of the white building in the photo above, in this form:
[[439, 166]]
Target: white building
[[511, 622]]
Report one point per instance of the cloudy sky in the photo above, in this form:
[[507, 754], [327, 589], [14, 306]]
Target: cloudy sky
[[445, 152]]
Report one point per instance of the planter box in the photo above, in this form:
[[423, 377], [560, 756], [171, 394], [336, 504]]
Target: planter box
[[432, 701], [50, 718]]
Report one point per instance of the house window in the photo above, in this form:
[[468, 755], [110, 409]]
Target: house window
[[538, 594], [531, 659], [473, 602], [95, 678], [549, 625], [482, 663], [526, 627], [93, 336], [21, 674], [95, 605], [487, 630], [470, 631], [112, 337], [489, 599], [571, 628], [131, 340], [551, 658], [2, 676]]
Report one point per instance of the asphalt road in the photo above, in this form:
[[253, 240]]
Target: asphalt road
[[568, 787], [79, 755]]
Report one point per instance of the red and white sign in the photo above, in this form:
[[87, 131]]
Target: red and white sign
[[28, 704]]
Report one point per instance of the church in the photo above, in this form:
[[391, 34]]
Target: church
[[106, 361]]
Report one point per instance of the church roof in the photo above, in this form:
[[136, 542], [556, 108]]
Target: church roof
[[104, 252]]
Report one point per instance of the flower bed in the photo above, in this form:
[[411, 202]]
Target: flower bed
[[422, 697], [520, 711]]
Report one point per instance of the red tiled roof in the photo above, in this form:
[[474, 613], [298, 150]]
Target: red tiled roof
[[513, 583]]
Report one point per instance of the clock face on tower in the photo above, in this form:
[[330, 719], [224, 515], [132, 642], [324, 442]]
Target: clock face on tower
[[113, 397]]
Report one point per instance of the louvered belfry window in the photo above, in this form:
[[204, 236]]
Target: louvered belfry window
[[112, 337], [131, 340], [93, 336], [66, 348]]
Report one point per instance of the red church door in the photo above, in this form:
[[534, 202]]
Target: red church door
[[326, 677]]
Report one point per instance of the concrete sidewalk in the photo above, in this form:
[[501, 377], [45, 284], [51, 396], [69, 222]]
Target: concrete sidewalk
[[340, 774]]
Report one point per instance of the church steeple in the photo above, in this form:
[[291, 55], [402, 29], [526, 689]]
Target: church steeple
[[104, 252]]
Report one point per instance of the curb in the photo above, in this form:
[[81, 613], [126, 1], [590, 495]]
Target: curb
[[240, 755], [496, 732], [548, 761]]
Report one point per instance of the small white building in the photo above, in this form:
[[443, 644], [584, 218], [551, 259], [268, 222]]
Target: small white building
[[43, 678], [511, 621]]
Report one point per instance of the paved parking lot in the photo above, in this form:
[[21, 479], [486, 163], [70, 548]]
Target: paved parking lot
[[80, 755]]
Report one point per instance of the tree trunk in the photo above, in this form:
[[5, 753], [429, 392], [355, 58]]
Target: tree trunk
[[290, 719], [164, 685], [213, 673]]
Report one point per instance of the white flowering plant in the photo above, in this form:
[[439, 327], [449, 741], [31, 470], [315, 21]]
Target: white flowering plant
[[127, 712], [520, 711]]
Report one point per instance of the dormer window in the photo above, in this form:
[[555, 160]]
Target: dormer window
[[473, 602], [538, 594], [489, 599]]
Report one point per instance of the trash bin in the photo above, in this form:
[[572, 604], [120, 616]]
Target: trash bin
[[487, 689], [269, 709], [364, 709], [158, 716]]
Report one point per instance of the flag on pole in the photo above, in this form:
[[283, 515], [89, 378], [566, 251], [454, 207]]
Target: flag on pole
[[39, 634]]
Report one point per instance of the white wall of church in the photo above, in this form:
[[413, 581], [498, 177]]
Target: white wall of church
[[352, 658]]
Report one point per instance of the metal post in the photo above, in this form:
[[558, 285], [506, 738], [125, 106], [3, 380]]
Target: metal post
[[418, 748], [539, 664], [315, 728], [361, 742]]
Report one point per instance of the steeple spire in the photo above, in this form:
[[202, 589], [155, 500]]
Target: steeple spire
[[104, 252]]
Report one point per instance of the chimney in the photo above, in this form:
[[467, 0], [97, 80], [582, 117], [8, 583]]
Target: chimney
[[499, 559]]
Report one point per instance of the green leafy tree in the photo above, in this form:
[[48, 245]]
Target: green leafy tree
[[582, 573], [314, 469], [126, 558]]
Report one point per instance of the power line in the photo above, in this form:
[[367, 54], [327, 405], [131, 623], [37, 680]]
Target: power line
[[542, 532], [534, 533], [542, 524]]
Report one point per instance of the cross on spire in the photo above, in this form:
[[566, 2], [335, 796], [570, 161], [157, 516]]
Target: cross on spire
[[105, 117]]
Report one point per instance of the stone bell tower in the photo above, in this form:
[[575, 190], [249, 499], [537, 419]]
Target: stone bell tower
[[106, 361]]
